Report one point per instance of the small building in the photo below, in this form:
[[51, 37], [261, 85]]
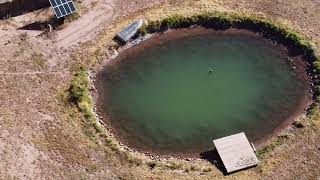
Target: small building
[[236, 152], [128, 32]]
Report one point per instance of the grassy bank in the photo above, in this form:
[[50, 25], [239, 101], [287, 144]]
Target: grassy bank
[[80, 95], [220, 21]]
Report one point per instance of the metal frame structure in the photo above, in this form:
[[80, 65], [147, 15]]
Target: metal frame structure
[[62, 8]]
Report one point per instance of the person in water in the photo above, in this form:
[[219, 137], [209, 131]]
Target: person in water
[[211, 70]]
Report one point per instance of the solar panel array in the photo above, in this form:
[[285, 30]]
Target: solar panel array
[[62, 7]]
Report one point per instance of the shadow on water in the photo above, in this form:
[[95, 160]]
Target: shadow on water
[[213, 157]]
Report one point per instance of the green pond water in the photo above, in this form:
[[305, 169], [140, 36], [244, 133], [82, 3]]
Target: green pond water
[[161, 96]]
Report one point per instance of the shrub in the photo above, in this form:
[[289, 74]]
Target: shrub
[[152, 164], [193, 168], [110, 143], [207, 169], [130, 158], [153, 26], [314, 109], [298, 124], [143, 30]]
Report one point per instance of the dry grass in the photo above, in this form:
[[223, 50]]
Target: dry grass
[[269, 161], [43, 136]]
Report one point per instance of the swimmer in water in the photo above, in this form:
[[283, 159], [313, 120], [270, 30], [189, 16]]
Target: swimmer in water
[[211, 70]]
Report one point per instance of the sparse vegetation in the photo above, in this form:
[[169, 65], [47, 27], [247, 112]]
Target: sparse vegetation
[[173, 165], [74, 16], [208, 169], [80, 95], [192, 168], [298, 124], [143, 30], [39, 60], [313, 111], [279, 141], [67, 149], [92, 169], [111, 144], [152, 164], [133, 160]]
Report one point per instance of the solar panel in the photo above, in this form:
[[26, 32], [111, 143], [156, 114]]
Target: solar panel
[[62, 7]]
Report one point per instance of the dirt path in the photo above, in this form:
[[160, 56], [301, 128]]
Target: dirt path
[[95, 15], [101, 14]]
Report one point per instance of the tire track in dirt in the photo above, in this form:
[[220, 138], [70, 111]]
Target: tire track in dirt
[[84, 28]]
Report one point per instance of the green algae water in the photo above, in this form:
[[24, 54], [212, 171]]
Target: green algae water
[[177, 92]]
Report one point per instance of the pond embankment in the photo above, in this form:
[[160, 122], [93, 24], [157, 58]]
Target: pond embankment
[[121, 103]]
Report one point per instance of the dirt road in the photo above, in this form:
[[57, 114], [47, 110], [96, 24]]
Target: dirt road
[[101, 14]]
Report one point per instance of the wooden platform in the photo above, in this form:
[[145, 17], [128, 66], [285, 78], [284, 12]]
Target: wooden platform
[[236, 152]]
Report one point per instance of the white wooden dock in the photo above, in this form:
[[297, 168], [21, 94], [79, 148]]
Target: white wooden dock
[[236, 152]]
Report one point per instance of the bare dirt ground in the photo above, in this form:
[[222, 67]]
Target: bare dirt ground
[[42, 136], [100, 14]]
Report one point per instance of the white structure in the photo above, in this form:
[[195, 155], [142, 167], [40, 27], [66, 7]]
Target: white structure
[[236, 152], [129, 31]]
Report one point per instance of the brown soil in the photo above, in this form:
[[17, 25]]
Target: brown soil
[[43, 136]]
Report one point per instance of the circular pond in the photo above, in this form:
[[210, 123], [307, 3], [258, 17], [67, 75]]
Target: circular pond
[[175, 93]]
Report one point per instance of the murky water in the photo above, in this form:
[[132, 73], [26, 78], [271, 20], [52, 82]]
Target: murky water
[[178, 94]]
